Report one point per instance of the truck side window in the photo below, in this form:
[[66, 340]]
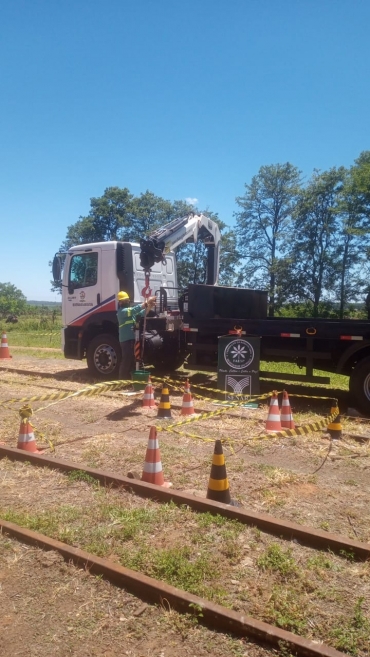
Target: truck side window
[[84, 270]]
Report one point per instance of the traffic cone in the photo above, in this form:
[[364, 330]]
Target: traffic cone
[[218, 485], [273, 423], [164, 407], [148, 398], [286, 417], [26, 438], [4, 348], [187, 407], [335, 427], [152, 471]]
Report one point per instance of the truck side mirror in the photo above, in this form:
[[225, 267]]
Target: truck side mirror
[[57, 269]]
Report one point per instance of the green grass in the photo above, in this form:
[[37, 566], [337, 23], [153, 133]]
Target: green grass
[[205, 555], [278, 560], [37, 353], [34, 339], [336, 380], [285, 610], [34, 331], [80, 475], [353, 633]]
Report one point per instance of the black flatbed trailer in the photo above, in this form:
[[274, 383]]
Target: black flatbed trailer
[[329, 345]]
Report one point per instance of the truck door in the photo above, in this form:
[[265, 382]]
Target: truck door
[[83, 280]]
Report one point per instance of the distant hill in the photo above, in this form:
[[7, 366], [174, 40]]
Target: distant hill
[[51, 304]]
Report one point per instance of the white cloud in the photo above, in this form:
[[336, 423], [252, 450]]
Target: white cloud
[[191, 201]]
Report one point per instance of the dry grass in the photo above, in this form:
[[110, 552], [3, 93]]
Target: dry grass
[[305, 479]]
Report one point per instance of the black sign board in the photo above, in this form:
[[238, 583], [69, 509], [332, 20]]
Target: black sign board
[[239, 365]]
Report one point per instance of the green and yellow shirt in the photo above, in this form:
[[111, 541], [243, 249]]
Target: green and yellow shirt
[[126, 321]]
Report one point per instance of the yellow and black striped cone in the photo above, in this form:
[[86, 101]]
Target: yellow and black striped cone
[[218, 485], [335, 427], [164, 406]]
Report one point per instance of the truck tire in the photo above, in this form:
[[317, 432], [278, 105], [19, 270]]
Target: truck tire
[[104, 357], [359, 386]]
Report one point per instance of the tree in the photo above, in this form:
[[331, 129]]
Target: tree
[[352, 245], [316, 231], [118, 215], [263, 226], [12, 300], [149, 212], [360, 174], [192, 258], [229, 258], [108, 219]]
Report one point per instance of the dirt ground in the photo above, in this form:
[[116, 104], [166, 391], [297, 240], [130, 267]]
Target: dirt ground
[[49, 607]]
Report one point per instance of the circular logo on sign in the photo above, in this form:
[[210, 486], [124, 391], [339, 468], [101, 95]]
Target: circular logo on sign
[[239, 354]]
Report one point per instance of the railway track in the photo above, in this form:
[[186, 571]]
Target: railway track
[[154, 591], [283, 528], [214, 616]]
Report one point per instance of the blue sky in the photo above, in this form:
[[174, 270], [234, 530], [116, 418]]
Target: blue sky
[[187, 99]]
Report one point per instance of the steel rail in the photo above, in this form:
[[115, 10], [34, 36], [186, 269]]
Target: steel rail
[[283, 528], [147, 588]]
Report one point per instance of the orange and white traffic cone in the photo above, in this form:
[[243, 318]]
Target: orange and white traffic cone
[[273, 423], [148, 398], [4, 348], [187, 407], [152, 470], [286, 417], [26, 438]]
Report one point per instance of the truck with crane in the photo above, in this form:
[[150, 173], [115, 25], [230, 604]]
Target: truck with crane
[[186, 325]]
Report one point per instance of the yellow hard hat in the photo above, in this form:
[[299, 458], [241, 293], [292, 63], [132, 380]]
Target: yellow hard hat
[[122, 295]]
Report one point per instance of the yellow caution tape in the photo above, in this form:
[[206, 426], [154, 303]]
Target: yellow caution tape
[[89, 391], [210, 414], [116, 385], [16, 333], [178, 385], [298, 431], [303, 430]]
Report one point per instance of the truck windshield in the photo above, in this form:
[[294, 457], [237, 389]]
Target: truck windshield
[[84, 270]]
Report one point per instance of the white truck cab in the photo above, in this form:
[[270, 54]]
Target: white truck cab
[[93, 274]]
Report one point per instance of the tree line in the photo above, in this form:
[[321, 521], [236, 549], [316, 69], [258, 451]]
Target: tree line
[[13, 304], [305, 241]]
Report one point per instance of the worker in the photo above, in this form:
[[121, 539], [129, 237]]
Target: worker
[[127, 316]]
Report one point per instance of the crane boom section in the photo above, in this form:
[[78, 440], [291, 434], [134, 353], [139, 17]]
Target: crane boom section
[[183, 230]]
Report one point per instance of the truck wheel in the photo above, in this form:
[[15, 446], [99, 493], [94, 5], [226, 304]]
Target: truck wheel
[[359, 386], [104, 357]]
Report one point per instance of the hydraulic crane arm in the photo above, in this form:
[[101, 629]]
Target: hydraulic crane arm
[[185, 229]]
